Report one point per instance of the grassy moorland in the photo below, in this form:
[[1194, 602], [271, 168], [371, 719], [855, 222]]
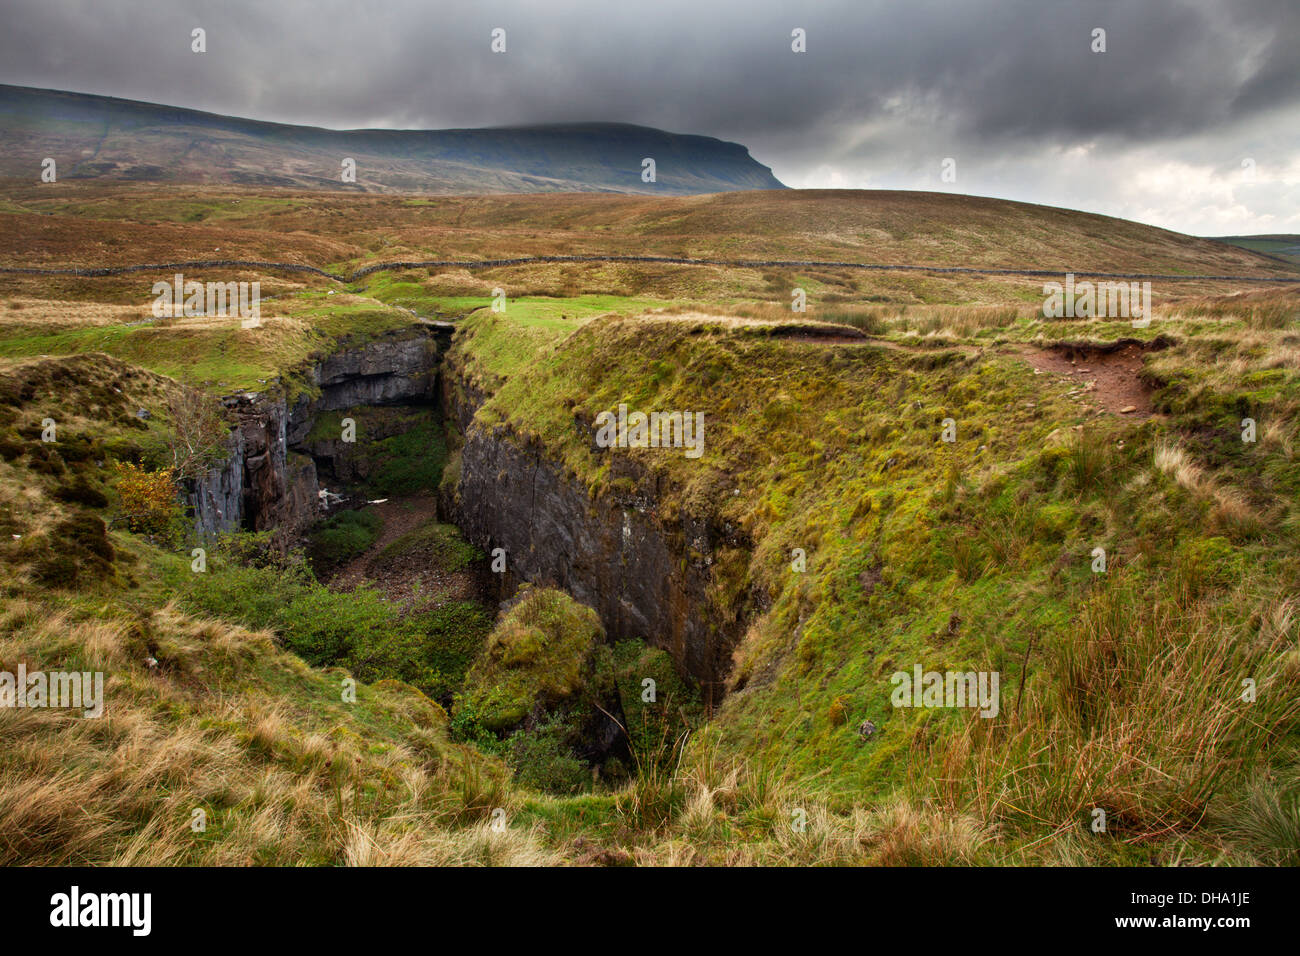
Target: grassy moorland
[[70, 224], [1122, 690]]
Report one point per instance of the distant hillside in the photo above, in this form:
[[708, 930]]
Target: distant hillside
[[92, 224], [110, 139], [1284, 247]]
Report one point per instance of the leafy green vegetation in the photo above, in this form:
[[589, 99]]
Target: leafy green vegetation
[[358, 629], [343, 536]]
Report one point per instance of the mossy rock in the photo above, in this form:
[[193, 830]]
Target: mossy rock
[[538, 656]]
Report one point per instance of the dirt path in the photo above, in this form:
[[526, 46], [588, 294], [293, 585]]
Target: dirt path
[[419, 576], [1108, 377], [400, 516]]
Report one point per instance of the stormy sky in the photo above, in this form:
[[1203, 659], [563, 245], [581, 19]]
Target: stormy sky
[[1190, 119]]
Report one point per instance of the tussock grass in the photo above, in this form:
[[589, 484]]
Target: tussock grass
[[1142, 716], [226, 723], [1121, 691]]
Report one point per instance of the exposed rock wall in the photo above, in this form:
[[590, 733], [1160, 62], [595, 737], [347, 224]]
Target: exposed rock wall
[[269, 481], [217, 498], [380, 373], [645, 579]]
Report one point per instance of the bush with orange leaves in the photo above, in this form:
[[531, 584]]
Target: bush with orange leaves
[[149, 498]]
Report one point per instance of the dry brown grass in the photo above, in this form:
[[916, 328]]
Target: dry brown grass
[[736, 813], [112, 223], [1142, 716], [20, 313], [281, 779]]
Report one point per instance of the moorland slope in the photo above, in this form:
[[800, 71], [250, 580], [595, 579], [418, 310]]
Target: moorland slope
[[918, 471], [104, 138]]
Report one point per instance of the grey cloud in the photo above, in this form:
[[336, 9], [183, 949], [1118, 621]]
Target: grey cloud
[[884, 88]]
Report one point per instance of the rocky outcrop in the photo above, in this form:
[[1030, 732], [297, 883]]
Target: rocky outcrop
[[279, 485], [399, 369], [645, 578], [269, 480], [217, 498]]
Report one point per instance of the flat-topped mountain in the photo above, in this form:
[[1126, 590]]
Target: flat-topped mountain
[[105, 138]]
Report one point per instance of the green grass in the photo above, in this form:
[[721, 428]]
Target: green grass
[[970, 556], [225, 356], [342, 537], [508, 341], [442, 544]]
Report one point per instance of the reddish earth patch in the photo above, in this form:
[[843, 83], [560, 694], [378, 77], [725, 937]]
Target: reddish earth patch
[[1109, 376]]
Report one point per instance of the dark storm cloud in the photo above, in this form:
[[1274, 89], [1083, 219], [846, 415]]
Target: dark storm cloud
[[885, 89]]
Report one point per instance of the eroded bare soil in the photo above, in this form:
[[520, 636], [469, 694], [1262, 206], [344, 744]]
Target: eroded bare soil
[[1108, 376]]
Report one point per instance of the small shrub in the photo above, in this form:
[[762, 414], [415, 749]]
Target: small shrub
[[150, 504], [321, 627], [78, 551], [11, 448], [543, 759], [46, 462]]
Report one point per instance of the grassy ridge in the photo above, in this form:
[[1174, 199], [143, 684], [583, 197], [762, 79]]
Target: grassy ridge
[[1122, 691], [974, 555]]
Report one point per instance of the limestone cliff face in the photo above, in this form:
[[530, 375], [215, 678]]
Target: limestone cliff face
[[279, 485], [397, 369], [646, 578], [269, 480], [217, 498]]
